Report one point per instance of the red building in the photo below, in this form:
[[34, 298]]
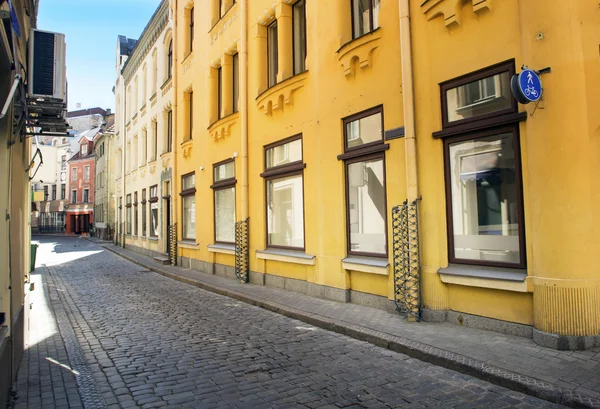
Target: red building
[[80, 210]]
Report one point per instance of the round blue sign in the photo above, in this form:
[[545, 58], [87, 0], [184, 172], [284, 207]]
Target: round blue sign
[[530, 85]]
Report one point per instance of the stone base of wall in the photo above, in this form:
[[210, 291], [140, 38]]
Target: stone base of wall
[[145, 252], [565, 342], [5, 367]]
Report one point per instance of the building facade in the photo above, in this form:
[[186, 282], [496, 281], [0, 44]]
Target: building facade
[[144, 137], [104, 203], [382, 159], [80, 210]]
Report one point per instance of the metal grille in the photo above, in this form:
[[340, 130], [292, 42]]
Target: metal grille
[[242, 250], [173, 244], [407, 281]]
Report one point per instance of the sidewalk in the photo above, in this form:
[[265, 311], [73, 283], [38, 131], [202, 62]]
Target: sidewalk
[[571, 378]]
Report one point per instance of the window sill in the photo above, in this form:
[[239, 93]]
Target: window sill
[[286, 256], [366, 265], [187, 57], [485, 277], [188, 244], [222, 248], [153, 238], [144, 238]]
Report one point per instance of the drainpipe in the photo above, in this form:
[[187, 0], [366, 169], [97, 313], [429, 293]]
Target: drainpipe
[[244, 107], [124, 119], [174, 131], [410, 142]]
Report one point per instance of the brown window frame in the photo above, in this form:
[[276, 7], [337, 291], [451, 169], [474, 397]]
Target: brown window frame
[[128, 214], [144, 214], [235, 81], [135, 213], [191, 114], [169, 131], [185, 193], [191, 30], [152, 199], [170, 60], [277, 172], [363, 153], [219, 92], [294, 22], [221, 185], [371, 29], [485, 119], [275, 65]]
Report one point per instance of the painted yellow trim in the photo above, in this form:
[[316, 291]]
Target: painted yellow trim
[[363, 268], [520, 287], [286, 258], [220, 250]]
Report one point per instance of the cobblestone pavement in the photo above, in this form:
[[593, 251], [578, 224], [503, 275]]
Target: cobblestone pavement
[[150, 342]]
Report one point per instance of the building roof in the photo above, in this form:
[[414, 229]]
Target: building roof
[[127, 45], [86, 112], [90, 134]]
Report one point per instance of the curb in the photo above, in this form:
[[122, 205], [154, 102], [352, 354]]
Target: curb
[[414, 349]]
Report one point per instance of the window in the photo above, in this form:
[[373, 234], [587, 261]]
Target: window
[[188, 200], [153, 211], [63, 192], [86, 173], [128, 214], [285, 193], [224, 197], [154, 139], [272, 55], [74, 175], [219, 92], [365, 16], [366, 208], [135, 214], [169, 130], [86, 195], [45, 192], [144, 220], [479, 95], [191, 115], [191, 29], [84, 149], [170, 60], [73, 196], [63, 162], [236, 81], [484, 203], [299, 39]]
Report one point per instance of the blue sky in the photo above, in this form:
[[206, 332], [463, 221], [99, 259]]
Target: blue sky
[[91, 28]]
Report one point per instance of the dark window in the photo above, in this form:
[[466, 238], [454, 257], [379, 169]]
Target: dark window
[[45, 193], [236, 81], [86, 195], [188, 203], [74, 196], [144, 213], [170, 60], [272, 55], [191, 29], [191, 115], [484, 199], [284, 177], [153, 211], [219, 92], [365, 16], [155, 139], [63, 192], [299, 40], [135, 213], [169, 131], [366, 203], [224, 201], [128, 214], [53, 192]]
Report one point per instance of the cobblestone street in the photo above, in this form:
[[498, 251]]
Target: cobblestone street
[[137, 339]]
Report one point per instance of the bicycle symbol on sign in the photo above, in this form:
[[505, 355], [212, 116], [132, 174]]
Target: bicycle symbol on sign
[[531, 91]]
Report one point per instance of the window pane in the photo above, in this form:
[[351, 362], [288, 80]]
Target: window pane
[[272, 53], [376, 6], [285, 212], [361, 15], [283, 154], [367, 210], [479, 97], [364, 130], [236, 82], [484, 199], [154, 219], [299, 24], [225, 171], [225, 215], [219, 91], [189, 217], [189, 182], [144, 219]]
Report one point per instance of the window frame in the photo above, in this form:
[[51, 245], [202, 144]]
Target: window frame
[[128, 214], [170, 60], [86, 172], [73, 191], [352, 18], [191, 30], [191, 113], [279, 172], [275, 65], [144, 214], [151, 200], [169, 131], [53, 192], [468, 136], [235, 61], [135, 213], [364, 153], [294, 38], [88, 196], [183, 194], [74, 174], [222, 185], [484, 119], [219, 92]]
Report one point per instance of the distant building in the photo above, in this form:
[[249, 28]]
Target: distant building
[[84, 119], [104, 204], [80, 210]]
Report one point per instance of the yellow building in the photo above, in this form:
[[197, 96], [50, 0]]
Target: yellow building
[[315, 121], [144, 130]]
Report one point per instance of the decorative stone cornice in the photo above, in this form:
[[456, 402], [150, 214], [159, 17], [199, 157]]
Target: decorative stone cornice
[[450, 9], [151, 33]]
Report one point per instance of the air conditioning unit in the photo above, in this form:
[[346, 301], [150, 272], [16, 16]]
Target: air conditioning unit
[[47, 65]]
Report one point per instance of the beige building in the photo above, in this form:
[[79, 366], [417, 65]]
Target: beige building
[[144, 137], [104, 203]]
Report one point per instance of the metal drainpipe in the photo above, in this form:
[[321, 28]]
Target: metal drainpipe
[[244, 107], [410, 142], [174, 139], [124, 159]]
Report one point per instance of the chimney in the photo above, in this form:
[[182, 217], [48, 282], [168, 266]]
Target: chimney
[[108, 111]]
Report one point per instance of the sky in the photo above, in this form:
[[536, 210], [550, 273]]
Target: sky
[[91, 28]]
